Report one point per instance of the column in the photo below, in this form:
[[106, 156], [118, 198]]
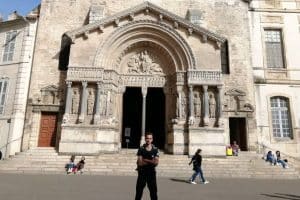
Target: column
[[179, 107], [144, 94], [97, 105], [206, 106], [191, 105], [219, 105], [83, 102], [68, 102]]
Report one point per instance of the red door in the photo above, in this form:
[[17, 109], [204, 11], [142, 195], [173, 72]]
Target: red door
[[47, 136]]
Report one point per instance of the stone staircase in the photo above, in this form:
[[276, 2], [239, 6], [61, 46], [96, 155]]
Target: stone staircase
[[246, 165]]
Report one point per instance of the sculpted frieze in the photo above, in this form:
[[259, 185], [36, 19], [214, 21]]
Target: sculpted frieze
[[204, 77], [144, 63], [142, 80], [84, 74]]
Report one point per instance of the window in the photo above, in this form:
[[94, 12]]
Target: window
[[225, 58], [274, 50], [3, 91], [9, 46], [281, 117]]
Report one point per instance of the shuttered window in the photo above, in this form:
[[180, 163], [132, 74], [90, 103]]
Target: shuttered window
[[9, 46], [3, 91]]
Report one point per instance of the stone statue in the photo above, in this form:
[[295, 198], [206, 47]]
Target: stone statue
[[75, 102], [212, 106], [146, 61], [133, 64], [90, 102], [103, 100], [111, 105], [197, 104]]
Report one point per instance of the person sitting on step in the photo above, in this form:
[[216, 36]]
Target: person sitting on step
[[235, 148], [280, 161], [71, 167], [80, 164], [270, 158]]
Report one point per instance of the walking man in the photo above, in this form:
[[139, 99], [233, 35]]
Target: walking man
[[197, 162], [147, 161]]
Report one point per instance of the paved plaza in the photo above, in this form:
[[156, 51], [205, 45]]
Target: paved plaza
[[87, 187]]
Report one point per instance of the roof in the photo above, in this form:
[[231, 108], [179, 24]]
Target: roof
[[148, 7]]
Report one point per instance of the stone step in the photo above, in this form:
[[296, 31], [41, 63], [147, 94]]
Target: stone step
[[247, 165]]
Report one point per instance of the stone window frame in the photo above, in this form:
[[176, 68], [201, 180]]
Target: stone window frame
[[278, 109], [282, 48], [9, 46], [3, 93]]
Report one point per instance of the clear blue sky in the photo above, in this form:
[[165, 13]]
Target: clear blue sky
[[23, 7]]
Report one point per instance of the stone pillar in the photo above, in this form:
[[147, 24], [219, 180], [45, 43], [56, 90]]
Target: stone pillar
[[83, 102], [219, 106], [97, 106], [191, 105], [144, 94], [68, 102], [179, 107], [206, 106]]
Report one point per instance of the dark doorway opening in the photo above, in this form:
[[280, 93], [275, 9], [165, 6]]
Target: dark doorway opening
[[238, 133], [132, 118], [155, 116]]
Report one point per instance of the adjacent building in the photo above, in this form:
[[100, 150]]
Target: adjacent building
[[17, 38], [275, 41]]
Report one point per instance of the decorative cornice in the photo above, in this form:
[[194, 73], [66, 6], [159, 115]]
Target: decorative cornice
[[148, 7]]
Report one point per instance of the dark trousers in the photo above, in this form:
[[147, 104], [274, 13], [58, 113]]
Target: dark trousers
[[149, 177]]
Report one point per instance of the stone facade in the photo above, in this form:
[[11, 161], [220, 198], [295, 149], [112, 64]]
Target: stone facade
[[145, 45], [17, 73], [276, 82]]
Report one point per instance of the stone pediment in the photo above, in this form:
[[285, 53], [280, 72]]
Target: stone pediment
[[51, 88], [147, 7], [235, 92]]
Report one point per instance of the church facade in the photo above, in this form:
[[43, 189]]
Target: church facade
[[106, 72]]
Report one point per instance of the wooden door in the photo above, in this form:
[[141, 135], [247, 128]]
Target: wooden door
[[47, 136]]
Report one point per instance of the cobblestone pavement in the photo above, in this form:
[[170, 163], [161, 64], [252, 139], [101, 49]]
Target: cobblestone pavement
[[87, 187]]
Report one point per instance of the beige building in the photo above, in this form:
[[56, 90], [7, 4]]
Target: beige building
[[17, 37], [275, 41], [106, 72]]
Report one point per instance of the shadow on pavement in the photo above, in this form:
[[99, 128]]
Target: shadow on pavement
[[181, 180], [283, 196]]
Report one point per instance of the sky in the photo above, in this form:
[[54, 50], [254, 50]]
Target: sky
[[23, 7]]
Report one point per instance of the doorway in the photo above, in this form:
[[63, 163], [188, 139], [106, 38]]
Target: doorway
[[47, 135], [155, 116], [238, 133], [132, 117]]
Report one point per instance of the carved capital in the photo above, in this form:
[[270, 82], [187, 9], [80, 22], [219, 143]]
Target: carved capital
[[144, 91], [84, 84], [69, 84]]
